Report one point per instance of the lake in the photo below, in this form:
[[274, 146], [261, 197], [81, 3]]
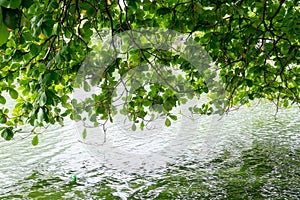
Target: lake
[[247, 154]]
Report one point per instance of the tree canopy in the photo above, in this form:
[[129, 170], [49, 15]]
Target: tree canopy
[[254, 46]]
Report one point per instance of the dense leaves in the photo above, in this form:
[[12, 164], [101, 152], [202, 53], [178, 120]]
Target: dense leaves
[[254, 44]]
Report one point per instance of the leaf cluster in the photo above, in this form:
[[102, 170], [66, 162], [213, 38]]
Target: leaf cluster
[[44, 44]]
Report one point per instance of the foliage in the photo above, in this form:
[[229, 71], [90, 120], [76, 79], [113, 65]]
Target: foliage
[[44, 43]]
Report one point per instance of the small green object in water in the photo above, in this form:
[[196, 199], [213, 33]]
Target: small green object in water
[[74, 178]]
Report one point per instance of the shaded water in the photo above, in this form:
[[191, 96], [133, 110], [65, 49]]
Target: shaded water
[[253, 156]]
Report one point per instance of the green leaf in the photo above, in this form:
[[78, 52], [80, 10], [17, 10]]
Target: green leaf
[[249, 82], [11, 17], [86, 86], [11, 3], [133, 127], [142, 125], [40, 115], [47, 27], [132, 5], [43, 99], [49, 77], [285, 103], [4, 34], [3, 119], [7, 133], [168, 122], [84, 134], [2, 100], [13, 93], [163, 11], [1, 17], [60, 121], [35, 140], [173, 117], [168, 105], [33, 49], [90, 10], [52, 98], [26, 3], [53, 5]]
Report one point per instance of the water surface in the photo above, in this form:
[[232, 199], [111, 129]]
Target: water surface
[[252, 156]]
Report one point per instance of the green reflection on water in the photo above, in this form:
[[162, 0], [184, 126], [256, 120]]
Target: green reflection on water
[[266, 170], [268, 167]]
